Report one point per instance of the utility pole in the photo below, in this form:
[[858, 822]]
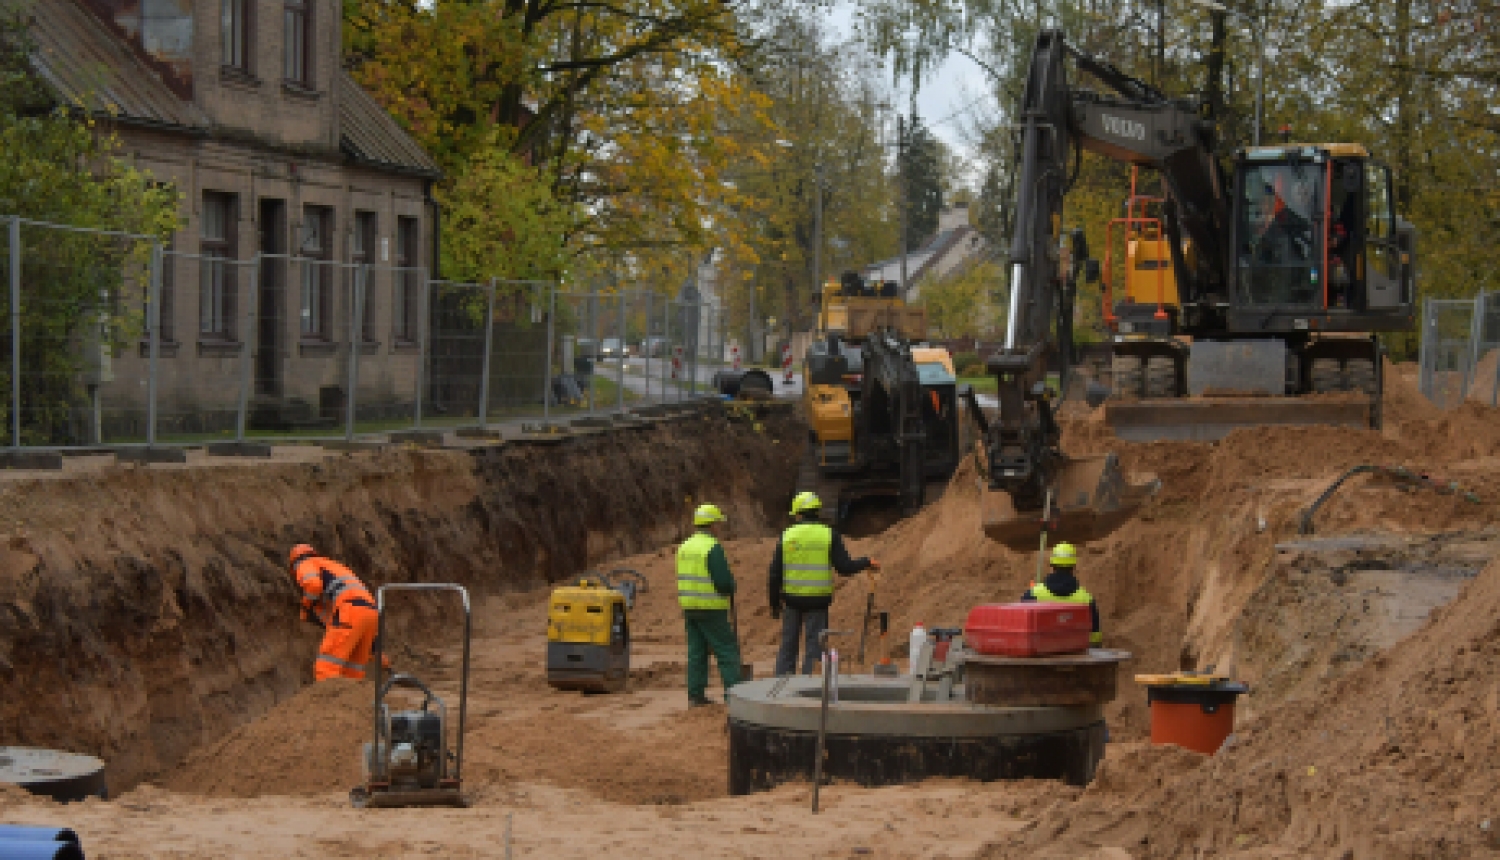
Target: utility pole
[[752, 353], [817, 229], [901, 186]]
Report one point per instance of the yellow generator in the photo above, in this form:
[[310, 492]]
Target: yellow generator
[[588, 631]]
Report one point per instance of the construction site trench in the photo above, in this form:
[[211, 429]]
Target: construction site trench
[[146, 617]]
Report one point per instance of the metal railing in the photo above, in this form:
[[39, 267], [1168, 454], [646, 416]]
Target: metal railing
[[117, 340]]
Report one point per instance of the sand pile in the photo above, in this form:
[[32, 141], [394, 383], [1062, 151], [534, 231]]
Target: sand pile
[[1400, 758], [308, 744]]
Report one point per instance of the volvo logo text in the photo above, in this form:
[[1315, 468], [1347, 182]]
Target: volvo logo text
[[1123, 127]]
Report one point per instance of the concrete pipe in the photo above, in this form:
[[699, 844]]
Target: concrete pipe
[[876, 737], [59, 775], [744, 384]]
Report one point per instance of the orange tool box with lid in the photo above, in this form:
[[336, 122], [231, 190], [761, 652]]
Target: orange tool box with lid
[[1030, 629]]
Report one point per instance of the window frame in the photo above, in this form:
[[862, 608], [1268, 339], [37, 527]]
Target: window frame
[[218, 284], [315, 312], [406, 308], [364, 238], [301, 12], [242, 40]]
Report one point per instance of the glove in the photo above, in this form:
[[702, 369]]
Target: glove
[[776, 613]]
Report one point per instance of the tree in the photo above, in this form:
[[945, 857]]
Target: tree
[[502, 221], [959, 305], [62, 168], [992, 207], [816, 142], [618, 106], [922, 175]]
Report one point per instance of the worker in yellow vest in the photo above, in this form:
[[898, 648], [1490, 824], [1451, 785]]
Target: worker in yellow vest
[[1061, 586], [801, 585], [705, 588]]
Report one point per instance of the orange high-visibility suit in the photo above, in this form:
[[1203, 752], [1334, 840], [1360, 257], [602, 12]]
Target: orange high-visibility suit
[[333, 595]]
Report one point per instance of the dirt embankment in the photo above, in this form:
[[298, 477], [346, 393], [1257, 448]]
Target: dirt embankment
[[145, 613]]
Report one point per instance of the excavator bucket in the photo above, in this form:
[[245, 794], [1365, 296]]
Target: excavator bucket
[[1091, 499], [1211, 418]]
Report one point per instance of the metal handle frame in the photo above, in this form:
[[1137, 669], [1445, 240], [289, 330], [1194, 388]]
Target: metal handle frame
[[823, 638], [380, 771]]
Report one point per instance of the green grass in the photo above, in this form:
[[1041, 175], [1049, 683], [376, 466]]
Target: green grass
[[982, 384]]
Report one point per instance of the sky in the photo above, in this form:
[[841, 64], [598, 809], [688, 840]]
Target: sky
[[948, 100]]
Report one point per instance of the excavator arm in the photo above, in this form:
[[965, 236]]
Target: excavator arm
[[1138, 124]]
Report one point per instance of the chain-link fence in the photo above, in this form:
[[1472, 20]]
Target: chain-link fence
[[122, 340]]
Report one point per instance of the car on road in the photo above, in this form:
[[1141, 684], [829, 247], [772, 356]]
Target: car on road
[[611, 347], [655, 347]]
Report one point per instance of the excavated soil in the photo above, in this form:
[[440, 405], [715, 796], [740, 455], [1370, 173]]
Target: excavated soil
[[1371, 648], [145, 613]]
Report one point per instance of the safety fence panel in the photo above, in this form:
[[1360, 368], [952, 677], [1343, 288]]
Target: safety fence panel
[[1448, 345], [521, 343], [450, 324], [80, 306], [1485, 384], [203, 363], [114, 339]]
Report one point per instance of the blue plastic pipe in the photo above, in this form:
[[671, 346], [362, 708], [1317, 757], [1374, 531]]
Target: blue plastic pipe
[[33, 833], [38, 849]]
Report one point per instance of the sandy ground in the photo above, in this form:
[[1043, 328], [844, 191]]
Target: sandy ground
[[1372, 649]]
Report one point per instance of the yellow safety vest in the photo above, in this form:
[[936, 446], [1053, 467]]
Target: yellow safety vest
[[695, 587], [806, 569], [1043, 594]]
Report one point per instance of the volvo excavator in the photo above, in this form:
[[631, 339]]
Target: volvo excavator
[[1265, 284]]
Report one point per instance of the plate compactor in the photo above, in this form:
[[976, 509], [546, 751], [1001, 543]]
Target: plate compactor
[[411, 762], [588, 631]]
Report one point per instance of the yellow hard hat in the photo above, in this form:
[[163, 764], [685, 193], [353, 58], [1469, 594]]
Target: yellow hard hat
[[806, 501], [706, 514], [1064, 555]]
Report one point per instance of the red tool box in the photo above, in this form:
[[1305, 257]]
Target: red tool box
[[1030, 629]]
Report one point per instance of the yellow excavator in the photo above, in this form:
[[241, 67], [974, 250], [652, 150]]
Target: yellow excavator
[[882, 406]]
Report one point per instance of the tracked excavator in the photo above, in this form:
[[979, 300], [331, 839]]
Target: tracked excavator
[[883, 411], [1252, 290]]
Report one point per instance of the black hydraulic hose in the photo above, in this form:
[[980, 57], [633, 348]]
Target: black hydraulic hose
[[1305, 527], [1416, 479]]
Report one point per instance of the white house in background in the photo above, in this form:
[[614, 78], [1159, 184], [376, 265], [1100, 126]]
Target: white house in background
[[955, 245]]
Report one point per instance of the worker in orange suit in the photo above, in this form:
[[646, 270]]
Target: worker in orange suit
[[334, 598]]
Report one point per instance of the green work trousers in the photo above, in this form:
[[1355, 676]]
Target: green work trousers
[[709, 630]]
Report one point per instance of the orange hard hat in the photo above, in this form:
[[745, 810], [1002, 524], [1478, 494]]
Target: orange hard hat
[[299, 552]]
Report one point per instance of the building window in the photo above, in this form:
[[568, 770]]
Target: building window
[[316, 249], [298, 65], [365, 240], [216, 285], [234, 28], [406, 311]]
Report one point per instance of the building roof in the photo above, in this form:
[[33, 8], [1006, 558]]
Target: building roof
[[86, 65], [368, 134], [917, 259]]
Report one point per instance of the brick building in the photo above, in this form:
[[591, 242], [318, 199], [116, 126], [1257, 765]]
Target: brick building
[[244, 107]]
